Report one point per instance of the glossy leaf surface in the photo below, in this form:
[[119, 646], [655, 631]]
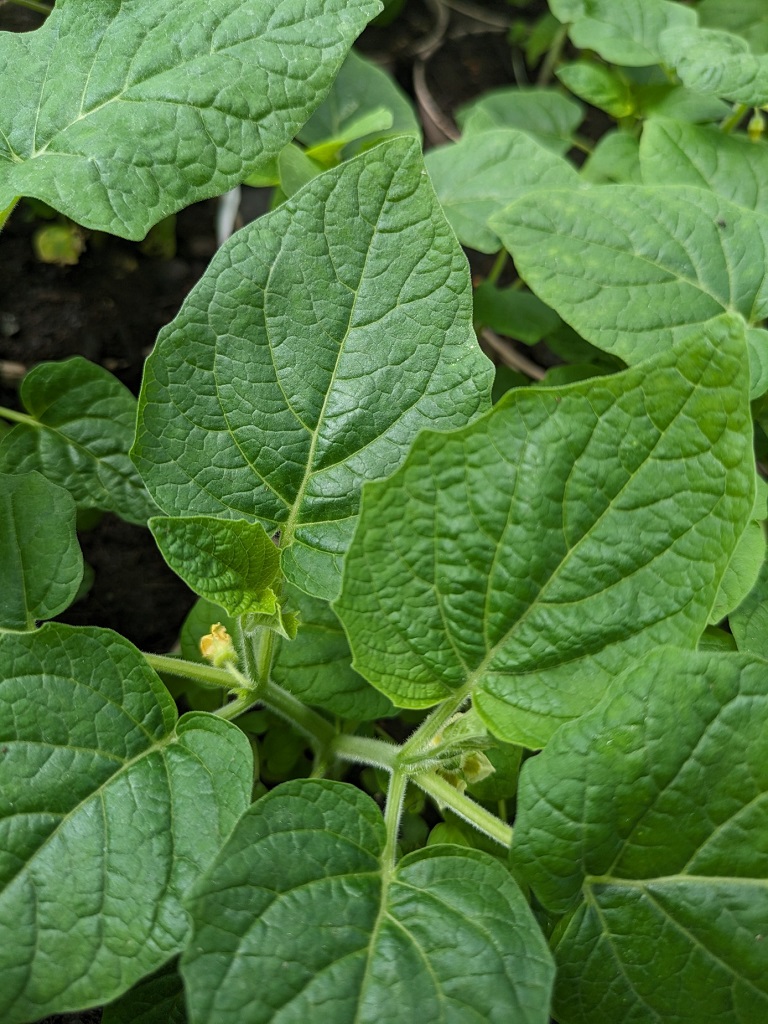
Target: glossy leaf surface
[[296, 913], [85, 422], [321, 339], [118, 114], [41, 564], [110, 809], [646, 823], [504, 559], [230, 562]]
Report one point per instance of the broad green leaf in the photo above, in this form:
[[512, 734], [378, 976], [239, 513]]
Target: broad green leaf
[[742, 572], [296, 913], [646, 823], [158, 999], [749, 622], [230, 562], [41, 564], [632, 268], [599, 85], [321, 339], [622, 31], [110, 809], [317, 665], [678, 103], [122, 113], [546, 114], [295, 169], [615, 158], [530, 557], [482, 173], [717, 63], [684, 154], [516, 314], [84, 422], [360, 89], [757, 343], [748, 18]]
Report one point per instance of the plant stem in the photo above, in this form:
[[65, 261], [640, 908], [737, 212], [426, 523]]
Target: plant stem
[[552, 57], [728, 124], [206, 674], [363, 750], [33, 5], [393, 810], [18, 417], [498, 265], [318, 730], [448, 796], [239, 706], [431, 726]]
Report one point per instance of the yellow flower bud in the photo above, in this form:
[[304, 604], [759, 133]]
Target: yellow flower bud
[[217, 646]]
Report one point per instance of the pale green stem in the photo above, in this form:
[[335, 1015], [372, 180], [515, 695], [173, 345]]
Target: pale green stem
[[200, 673], [6, 213], [393, 810], [18, 417], [498, 265], [33, 5], [418, 742], [552, 57], [447, 795], [363, 750], [728, 124], [239, 706]]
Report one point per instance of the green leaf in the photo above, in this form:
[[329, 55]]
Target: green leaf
[[749, 622], [615, 158], [645, 823], [110, 809], [530, 557], [632, 268], [230, 562], [484, 172], [124, 114], [317, 666], [516, 314], [295, 169], [84, 425], [599, 85], [296, 914], [545, 114], [158, 999], [321, 339], [684, 154], [622, 31], [716, 63], [742, 572], [41, 564], [748, 18], [360, 89]]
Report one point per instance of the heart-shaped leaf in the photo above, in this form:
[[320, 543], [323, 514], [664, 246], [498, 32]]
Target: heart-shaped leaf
[[118, 114], [646, 824], [297, 913], [84, 424], [321, 339], [109, 810], [41, 564], [530, 557], [716, 63]]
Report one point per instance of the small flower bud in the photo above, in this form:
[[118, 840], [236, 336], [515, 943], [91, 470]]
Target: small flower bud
[[217, 646]]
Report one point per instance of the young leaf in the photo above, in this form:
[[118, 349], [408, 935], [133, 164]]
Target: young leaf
[[749, 622], [84, 425], [545, 114], [232, 563], [158, 999], [120, 114], [297, 913], [110, 808], [360, 90], [716, 63], [321, 339], [317, 665], [482, 173], [517, 314], [615, 158], [599, 85], [673, 261], [685, 154], [645, 822], [41, 564], [748, 18], [742, 572], [622, 31], [528, 558]]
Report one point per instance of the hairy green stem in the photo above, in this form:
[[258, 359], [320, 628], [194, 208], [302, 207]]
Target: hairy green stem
[[363, 750], [206, 674], [393, 810], [728, 124], [447, 795], [418, 742]]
